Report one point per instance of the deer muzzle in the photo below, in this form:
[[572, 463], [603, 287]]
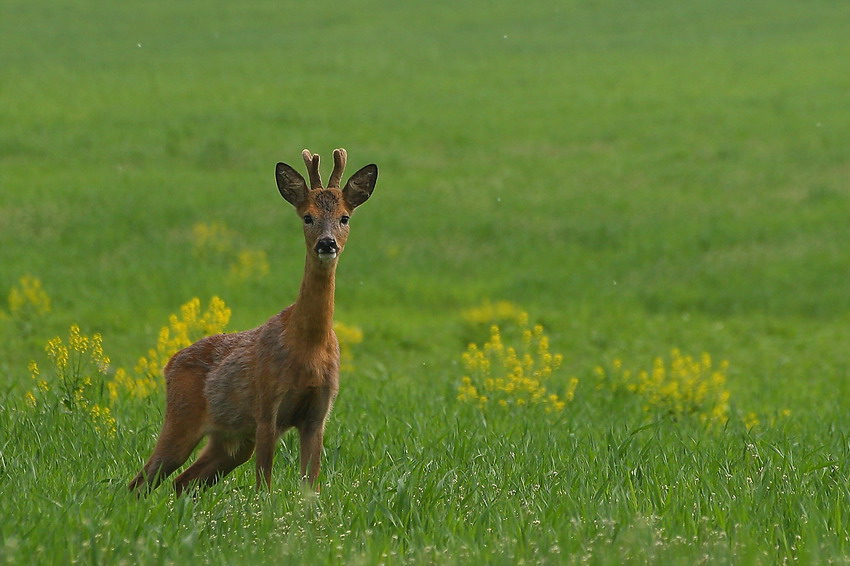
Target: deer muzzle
[[327, 248]]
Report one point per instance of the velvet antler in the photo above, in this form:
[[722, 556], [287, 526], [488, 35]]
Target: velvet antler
[[340, 157], [312, 162]]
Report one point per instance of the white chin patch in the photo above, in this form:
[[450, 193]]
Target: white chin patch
[[327, 256]]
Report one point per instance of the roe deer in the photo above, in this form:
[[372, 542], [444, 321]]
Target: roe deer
[[243, 390]]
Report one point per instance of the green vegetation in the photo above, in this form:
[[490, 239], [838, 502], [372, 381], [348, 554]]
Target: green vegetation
[[639, 179]]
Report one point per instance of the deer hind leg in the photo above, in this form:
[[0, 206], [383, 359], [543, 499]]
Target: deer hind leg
[[218, 458], [172, 450], [185, 419]]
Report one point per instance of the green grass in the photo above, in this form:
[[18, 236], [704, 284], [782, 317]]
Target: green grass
[[637, 177]]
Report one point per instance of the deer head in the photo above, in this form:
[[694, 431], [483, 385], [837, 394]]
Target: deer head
[[325, 211]]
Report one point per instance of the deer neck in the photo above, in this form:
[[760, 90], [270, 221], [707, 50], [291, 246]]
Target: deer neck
[[311, 319]]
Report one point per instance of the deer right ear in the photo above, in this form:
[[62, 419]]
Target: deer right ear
[[360, 186], [291, 184]]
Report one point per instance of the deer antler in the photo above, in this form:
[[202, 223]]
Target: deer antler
[[312, 162], [340, 157]]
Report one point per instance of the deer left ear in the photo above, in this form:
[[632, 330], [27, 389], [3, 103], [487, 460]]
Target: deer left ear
[[359, 187], [291, 184]]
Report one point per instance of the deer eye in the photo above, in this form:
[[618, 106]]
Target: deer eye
[[308, 219], [344, 220]]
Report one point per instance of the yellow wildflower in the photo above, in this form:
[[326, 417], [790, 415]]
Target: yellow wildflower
[[215, 318], [513, 376], [250, 264], [57, 352], [97, 354], [28, 298], [213, 238], [190, 326], [77, 341], [78, 367], [680, 386], [347, 336], [103, 420], [500, 312]]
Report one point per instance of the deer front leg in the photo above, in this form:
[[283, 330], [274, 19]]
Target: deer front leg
[[265, 444], [312, 437]]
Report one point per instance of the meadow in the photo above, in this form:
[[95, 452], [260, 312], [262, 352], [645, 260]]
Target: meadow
[[597, 309]]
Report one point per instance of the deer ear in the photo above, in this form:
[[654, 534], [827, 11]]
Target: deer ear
[[359, 187], [291, 184]]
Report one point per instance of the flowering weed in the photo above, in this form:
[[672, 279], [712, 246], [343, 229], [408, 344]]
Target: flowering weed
[[28, 301], [680, 386], [215, 241], [249, 264], [508, 376], [182, 330], [499, 312], [212, 239], [78, 369], [348, 336], [752, 420]]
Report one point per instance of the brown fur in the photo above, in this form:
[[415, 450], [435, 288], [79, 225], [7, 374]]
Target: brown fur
[[243, 390]]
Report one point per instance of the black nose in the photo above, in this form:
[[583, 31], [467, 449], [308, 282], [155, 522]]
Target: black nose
[[326, 246]]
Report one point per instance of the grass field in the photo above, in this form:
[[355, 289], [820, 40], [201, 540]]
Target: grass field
[[637, 178]]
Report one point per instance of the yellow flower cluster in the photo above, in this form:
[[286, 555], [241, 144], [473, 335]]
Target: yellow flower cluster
[[79, 366], [103, 420], [680, 386], [500, 312], [211, 239], [752, 420], [137, 387], [80, 349], [28, 299], [509, 377], [347, 336], [183, 330], [250, 264], [215, 239]]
